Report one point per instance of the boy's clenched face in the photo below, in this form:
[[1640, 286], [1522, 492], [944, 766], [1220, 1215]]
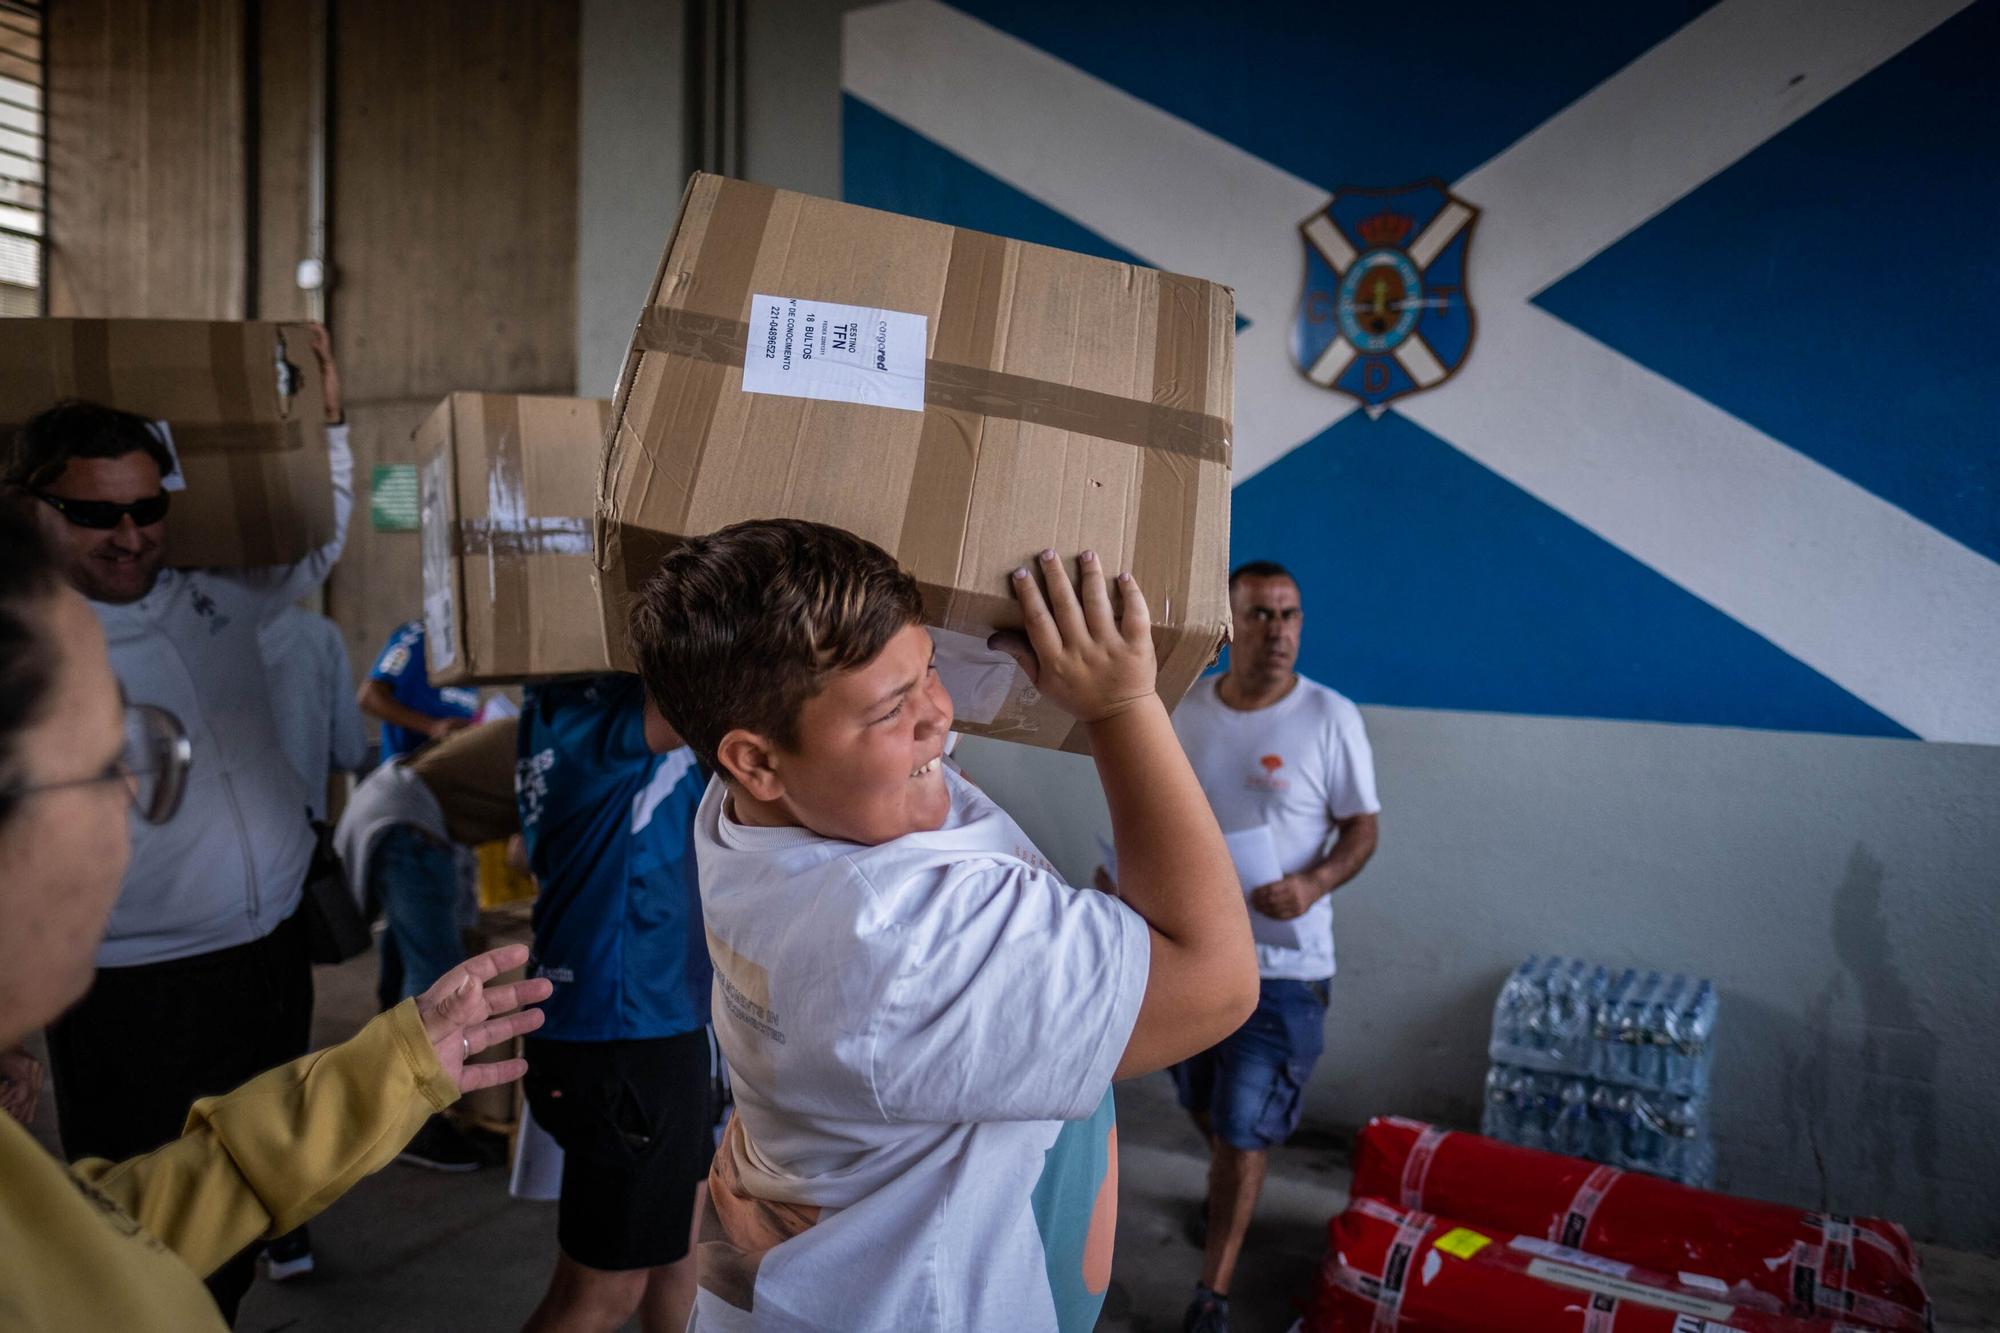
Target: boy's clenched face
[[868, 766]]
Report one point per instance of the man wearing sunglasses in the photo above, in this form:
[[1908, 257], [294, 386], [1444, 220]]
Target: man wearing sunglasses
[[203, 975]]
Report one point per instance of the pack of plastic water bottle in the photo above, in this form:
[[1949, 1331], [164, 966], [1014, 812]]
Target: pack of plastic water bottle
[[1625, 1127], [1613, 1066], [1649, 1030]]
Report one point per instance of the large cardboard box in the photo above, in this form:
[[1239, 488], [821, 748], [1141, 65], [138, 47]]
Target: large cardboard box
[[242, 407], [961, 399], [506, 487]]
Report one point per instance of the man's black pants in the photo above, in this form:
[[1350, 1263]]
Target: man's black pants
[[147, 1041]]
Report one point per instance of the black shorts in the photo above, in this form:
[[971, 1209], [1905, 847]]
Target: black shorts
[[636, 1123]]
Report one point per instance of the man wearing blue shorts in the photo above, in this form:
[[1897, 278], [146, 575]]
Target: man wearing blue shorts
[[1276, 751]]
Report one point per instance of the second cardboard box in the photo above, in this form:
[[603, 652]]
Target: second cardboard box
[[506, 484]]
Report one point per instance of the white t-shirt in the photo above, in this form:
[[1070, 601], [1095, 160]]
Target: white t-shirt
[[920, 1037], [1295, 767]]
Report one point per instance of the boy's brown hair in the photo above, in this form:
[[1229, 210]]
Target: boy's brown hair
[[741, 627]]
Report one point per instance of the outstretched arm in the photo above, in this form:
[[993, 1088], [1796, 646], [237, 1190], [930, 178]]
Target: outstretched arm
[[270, 1155]]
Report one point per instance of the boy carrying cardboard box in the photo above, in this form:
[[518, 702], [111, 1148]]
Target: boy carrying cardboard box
[[922, 1020]]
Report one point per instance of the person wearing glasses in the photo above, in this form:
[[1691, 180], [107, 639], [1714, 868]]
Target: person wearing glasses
[[123, 1244], [203, 976]]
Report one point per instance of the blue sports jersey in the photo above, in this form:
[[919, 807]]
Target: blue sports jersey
[[402, 665], [608, 826]]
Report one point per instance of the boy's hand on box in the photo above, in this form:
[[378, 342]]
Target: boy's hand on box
[[1093, 662]]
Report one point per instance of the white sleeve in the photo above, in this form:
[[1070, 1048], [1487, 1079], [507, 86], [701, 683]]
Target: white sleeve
[[349, 747], [281, 585], [1350, 788], [1015, 1004]]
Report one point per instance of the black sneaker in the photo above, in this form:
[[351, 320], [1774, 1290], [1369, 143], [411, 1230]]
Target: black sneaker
[[440, 1146], [1206, 1313], [289, 1256]]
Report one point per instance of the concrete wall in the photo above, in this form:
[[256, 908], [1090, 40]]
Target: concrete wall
[[1844, 890], [1841, 891], [630, 176]]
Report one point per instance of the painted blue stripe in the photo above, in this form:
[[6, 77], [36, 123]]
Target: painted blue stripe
[[1837, 287], [1431, 582], [884, 164], [1345, 93]]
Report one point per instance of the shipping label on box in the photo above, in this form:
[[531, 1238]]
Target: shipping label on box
[[240, 403], [960, 399], [506, 485]]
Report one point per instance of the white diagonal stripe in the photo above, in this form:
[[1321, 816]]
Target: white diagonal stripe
[[1417, 358], [1333, 247], [1899, 614], [1339, 354], [1670, 120], [1432, 240]]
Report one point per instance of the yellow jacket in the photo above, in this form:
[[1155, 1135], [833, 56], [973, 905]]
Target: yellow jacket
[[124, 1245]]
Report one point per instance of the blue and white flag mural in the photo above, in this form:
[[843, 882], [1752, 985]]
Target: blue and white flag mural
[[1724, 449]]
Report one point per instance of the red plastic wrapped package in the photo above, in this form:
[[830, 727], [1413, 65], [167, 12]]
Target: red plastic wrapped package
[[1863, 1270], [1392, 1270]]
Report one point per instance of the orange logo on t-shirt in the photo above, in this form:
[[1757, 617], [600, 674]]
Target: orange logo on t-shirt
[[1268, 780]]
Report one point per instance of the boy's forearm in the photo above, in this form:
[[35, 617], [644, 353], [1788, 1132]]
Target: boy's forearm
[[1173, 867]]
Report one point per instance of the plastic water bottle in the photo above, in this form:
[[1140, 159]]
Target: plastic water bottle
[[1572, 1132], [1604, 1047], [1604, 1124], [1497, 1121], [1697, 1038], [1559, 1013], [1684, 1137], [1528, 1129], [1510, 1035]]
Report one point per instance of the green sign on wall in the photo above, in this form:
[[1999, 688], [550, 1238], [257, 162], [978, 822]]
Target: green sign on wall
[[392, 497]]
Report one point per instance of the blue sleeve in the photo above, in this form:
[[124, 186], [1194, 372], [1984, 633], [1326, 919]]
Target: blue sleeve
[[625, 723], [403, 650]]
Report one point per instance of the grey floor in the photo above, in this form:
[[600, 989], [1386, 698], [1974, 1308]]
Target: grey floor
[[410, 1251]]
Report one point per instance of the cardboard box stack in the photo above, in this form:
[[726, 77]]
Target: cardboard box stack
[[242, 412], [506, 487], [961, 399]]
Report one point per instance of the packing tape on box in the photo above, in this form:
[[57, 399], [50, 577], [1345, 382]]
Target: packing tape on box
[[533, 535], [986, 393]]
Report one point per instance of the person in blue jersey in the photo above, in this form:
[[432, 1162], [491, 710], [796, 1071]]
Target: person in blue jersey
[[399, 694], [624, 1079]]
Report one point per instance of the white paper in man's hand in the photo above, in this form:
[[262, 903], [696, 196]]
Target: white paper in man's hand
[[1255, 853]]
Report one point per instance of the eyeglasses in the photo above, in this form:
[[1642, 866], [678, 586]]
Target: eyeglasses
[[106, 514], [153, 764]]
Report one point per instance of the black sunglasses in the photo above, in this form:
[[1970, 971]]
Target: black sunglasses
[[106, 514]]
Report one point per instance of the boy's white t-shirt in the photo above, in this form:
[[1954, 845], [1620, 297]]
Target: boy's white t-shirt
[[920, 1037], [1295, 767]]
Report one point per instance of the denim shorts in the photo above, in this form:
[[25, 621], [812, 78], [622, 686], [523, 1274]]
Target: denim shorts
[[1252, 1085]]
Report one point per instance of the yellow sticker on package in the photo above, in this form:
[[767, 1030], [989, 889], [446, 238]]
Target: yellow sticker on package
[[1462, 1243]]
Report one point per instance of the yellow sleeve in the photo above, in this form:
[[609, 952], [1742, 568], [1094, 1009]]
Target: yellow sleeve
[[262, 1159]]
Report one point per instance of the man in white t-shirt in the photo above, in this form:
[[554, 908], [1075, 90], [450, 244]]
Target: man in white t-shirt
[[922, 1020], [1278, 752]]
